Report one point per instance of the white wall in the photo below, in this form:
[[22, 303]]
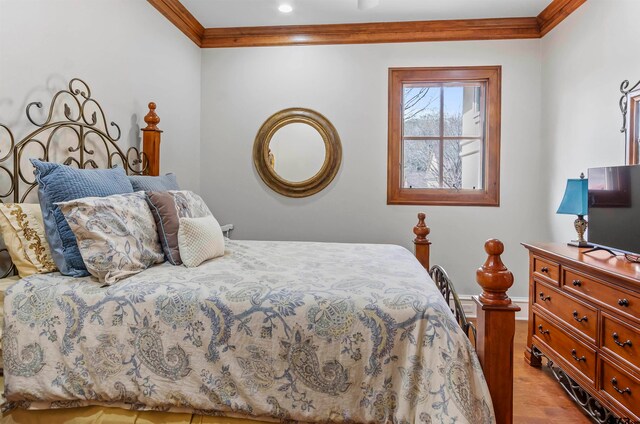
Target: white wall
[[584, 60], [126, 51], [348, 84], [560, 116]]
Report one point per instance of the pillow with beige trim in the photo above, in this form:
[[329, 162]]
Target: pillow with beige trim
[[24, 237], [116, 235]]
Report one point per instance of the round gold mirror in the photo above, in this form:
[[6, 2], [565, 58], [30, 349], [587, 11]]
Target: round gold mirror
[[297, 152]]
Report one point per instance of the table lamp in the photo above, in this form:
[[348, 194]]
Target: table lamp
[[574, 202]]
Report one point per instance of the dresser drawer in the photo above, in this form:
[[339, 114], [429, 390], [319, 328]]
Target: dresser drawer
[[596, 291], [621, 339], [546, 269], [621, 388], [574, 313], [580, 357]]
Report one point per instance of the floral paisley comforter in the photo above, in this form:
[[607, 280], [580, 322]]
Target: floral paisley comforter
[[281, 331]]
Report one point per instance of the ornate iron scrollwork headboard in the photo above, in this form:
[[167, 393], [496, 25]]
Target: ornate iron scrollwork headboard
[[73, 117], [75, 132]]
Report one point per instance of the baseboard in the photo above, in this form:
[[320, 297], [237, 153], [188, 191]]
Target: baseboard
[[469, 307]]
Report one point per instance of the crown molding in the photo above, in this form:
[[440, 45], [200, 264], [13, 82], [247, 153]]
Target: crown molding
[[178, 15], [378, 32], [382, 32], [555, 13]]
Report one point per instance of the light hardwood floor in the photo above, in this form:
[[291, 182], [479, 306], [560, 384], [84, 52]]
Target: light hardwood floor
[[538, 397]]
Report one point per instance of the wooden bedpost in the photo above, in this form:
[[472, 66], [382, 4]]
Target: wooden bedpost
[[496, 327], [421, 242], [151, 140]]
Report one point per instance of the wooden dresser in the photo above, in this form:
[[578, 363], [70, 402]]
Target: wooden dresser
[[584, 315]]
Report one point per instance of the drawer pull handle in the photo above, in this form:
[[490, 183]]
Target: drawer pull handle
[[541, 330], [623, 344], [575, 316], [544, 269], [544, 298], [614, 383], [576, 283], [623, 302], [575, 356]]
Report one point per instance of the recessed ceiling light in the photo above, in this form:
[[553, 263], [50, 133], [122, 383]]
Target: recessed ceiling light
[[285, 8]]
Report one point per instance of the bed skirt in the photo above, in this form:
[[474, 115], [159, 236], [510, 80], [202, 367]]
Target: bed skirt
[[105, 415]]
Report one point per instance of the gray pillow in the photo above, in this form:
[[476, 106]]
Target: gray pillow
[[148, 183], [167, 208]]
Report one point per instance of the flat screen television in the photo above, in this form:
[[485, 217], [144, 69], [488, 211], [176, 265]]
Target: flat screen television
[[614, 208]]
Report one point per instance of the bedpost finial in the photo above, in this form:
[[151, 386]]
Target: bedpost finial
[[494, 277], [421, 230], [494, 247], [152, 119]]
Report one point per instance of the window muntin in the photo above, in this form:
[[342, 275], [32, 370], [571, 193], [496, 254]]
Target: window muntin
[[443, 135]]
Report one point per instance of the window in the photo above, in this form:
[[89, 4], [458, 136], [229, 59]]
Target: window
[[444, 136]]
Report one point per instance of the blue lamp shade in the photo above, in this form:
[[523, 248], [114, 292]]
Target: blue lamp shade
[[574, 201]]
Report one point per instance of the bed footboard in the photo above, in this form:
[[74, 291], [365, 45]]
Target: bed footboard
[[495, 322]]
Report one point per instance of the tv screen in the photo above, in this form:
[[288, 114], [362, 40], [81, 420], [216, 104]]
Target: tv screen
[[614, 208]]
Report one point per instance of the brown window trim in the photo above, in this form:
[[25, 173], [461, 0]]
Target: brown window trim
[[490, 196]]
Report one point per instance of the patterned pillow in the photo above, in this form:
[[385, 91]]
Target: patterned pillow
[[167, 209], [117, 235], [61, 183], [200, 239], [148, 183], [23, 233]]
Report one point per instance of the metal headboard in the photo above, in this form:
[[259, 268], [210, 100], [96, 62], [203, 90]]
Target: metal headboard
[[75, 132], [448, 291]]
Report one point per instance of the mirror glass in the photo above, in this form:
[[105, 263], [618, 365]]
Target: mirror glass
[[297, 152]]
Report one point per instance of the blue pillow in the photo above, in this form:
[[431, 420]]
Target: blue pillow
[[61, 183], [147, 183]]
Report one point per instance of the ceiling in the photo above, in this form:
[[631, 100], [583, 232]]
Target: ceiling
[[237, 13]]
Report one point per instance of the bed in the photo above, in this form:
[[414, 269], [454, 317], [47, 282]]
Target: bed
[[270, 332]]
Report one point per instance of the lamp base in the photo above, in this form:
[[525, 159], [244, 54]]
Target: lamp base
[[577, 243]]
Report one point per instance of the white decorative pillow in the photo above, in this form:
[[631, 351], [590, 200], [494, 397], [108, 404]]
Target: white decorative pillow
[[199, 239], [116, 235]]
